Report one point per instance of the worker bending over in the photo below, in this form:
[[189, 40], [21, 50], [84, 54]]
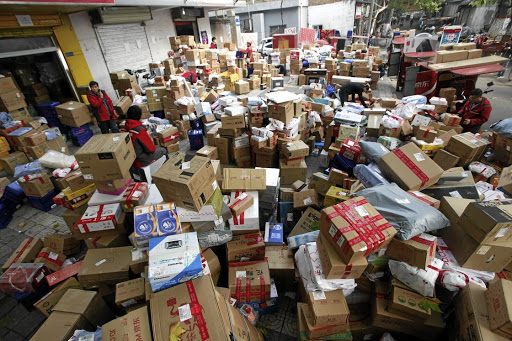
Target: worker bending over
[[353, 89]]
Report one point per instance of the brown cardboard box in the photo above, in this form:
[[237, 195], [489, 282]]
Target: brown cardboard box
[[106, 157], [452, 120], [209, 152], [241, 204], [314, 332], [470, 254], [249, 281], [62, 243], [332, 264], [122, 105], [76, 180], [245, 247], [308, 222], [7, 84], [105, 266], [335, 230], [282, 112], [290, 174], [213, 263], [235, 179], [464, 147], [464, 46], [232, 122], [304, 199], [47, 302], [505, 180], [418, 251], [189, 185], [408, 303], [328, 308], [113, 240], [281, 266], [474, 53], [50, 258], [453, 208], [131, 292], [74, 114], [295, 149], [60, 326], [374, 121], [502, 149], [223, 147], [320, 183], [242, 87], [426, 134], [87, 303], [489, 222], [454, 182], [12, 160], [130, 327], [427, 199], [445, 159], [38, 187], [26, 252], [472, 315], [286, 194], [420, 173], [12, 100], [72, 216], [499, 306], [36, 139]]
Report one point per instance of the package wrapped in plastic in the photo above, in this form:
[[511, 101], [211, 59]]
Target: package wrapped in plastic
[[185, 101], [311, 272], [54, 159], [390, 143], [368, 176], [214, 238], [490, 194], [426, 107], [437, 142], [503, 127], [301, 239], [422, 281], [85, 335], [373, 150], [482, 169], [408, 215], [452, 280], [406, 111], [392, 122], [254, 100], [416, 99], [27, 169]]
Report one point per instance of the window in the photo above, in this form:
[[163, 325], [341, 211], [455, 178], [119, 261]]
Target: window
[[279, 29], [317, 27]]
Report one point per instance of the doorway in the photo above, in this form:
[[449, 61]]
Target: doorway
[[188, 28]]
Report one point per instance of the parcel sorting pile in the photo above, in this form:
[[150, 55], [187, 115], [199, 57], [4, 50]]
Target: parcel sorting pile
[[404, 232]]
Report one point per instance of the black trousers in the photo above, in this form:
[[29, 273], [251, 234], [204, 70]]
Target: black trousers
[[106, 126]]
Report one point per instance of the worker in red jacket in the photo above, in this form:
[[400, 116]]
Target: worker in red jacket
[[102, 109], [213, 45], [248, 51], [145, 150], [475, 112]]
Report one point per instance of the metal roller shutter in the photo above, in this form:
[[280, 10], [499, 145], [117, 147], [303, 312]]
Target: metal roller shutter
[[124, 46]]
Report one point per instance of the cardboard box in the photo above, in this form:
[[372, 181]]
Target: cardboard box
[[47, 302], [472, 315], [130, 293], [499, 306], [505, 180], [427, 199], [241, 204], [445, 159], [249, 281], [209, 152], [281, 266], [245, 247], [408, 303], [328, 308], [130, 327], [36, 139], [305, 199], [62, 243], [51, 259], [308, 222], [76, 181], [418, 251], [105, 266], [489, 222], [12, 160], [455, 182], [333, 225], [335, 195], [452, 120], [61, 326], [314, 332], [332, 264], [26, 252], [464, 147], [12, 100], [295, 149], [106, 157], [242, 87], [73, 114], [135, 195], [86, 303], [426, 134], [99, 218], [410, 168], [211, 262], [290, 174], [188, 184], [235, 180], [39, 186], [173, 259], [283, 111], [232, 122]]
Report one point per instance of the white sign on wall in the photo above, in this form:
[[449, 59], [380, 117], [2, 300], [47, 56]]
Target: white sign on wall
[[291, 30]]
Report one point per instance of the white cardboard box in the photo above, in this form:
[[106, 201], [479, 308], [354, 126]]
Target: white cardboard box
[[250, 219]]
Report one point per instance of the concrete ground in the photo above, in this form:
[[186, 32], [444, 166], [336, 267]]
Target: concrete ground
[[18, 323]]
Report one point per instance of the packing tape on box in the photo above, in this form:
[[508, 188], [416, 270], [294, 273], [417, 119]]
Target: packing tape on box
[[412, 166]]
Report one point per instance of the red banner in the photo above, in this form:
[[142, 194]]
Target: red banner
[[426, 83], [65, 2]]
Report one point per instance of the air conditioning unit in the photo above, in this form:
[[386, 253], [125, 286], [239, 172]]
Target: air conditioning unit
[[119, 15]]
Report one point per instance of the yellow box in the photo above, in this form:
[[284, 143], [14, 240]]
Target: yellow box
[[335, 195]]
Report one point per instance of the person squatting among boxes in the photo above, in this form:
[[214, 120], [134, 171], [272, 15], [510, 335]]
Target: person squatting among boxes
[[353, 89], [145, 150], [102, 109], [475, 112]]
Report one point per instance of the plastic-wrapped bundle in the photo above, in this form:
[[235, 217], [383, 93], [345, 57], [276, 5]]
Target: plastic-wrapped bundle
[[54, 159], [407, 214], [392, 122], [214, 238], [369, 177], [406, 111], [421, 280], [27, 169], [390, 143], [416, 99], [503, 127], [311, 272], [373, 150], [482, 169], [254, 100], [301, 239]]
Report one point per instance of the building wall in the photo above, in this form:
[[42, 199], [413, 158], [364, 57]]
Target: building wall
[[476, 17], [338, 15], [500, 26], [158, 31], [450, 9], [203, 24], [273, 18]]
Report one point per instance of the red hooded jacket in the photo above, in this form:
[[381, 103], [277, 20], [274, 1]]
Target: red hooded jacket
[[478, 115], [142, 143], [99, 108]]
